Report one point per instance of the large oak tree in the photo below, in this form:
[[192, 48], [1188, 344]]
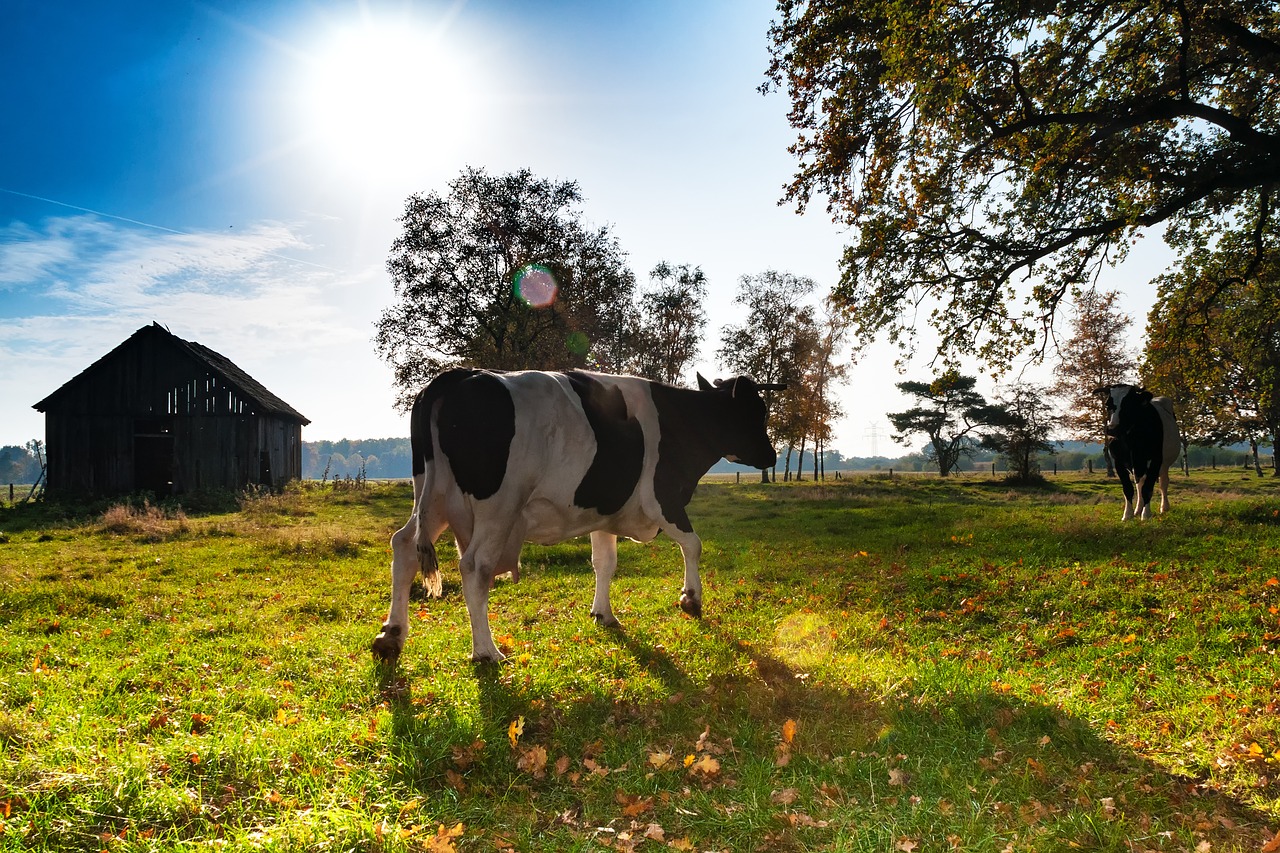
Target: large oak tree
[[502, 272], [992, 155], [1216, 336]]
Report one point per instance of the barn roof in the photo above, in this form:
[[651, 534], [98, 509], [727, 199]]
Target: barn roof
[[222, 366]]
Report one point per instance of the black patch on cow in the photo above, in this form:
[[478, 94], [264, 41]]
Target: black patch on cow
[[476, 422], [420, 417], [686, 420], [615, 470]]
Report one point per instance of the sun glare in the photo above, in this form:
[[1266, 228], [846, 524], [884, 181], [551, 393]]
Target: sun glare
[[381, 101]]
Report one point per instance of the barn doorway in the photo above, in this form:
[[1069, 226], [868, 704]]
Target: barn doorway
[[153, 455]]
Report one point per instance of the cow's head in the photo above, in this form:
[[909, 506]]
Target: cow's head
[[1121, 402], [746, 432]]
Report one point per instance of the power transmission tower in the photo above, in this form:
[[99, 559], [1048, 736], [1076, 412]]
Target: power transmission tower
[[873, 433]]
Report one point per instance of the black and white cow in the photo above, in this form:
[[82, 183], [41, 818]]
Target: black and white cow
[[507, 458], [1142, 434]]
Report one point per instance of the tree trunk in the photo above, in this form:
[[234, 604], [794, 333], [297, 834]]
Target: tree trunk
[[817, 454], [1106, 454], [800, 462], [786, 470], [1253, 448]]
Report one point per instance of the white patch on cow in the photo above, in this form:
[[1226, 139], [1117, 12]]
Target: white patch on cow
[[1118, 393]]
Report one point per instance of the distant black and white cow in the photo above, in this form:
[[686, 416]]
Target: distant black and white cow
[[1142, 434], [507, 458]]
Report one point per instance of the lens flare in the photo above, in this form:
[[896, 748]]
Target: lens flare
[[534, 284], [577, 343]]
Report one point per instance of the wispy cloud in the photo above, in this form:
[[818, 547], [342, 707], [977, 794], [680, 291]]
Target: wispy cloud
[[72, 288]]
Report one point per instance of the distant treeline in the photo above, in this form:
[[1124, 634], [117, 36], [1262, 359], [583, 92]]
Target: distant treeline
[[374, 458], [389, 458], [18, 465]]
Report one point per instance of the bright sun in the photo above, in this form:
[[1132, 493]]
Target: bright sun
[[380, 100]]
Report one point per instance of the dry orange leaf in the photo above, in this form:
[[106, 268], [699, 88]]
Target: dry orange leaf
[[633, 805], [515, 730], [442, 840], [705, 766], [789, 731]]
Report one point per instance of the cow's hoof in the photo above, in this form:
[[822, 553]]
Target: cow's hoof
[[691, 605], [606, 620], [387, 645], [484, 658]]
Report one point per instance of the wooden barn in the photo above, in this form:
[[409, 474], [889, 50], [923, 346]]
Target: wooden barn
[[167, 416]]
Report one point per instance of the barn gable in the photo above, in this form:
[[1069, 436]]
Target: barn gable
[[168, 416]]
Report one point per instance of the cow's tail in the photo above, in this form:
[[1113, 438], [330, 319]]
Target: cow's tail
[[424, 472]]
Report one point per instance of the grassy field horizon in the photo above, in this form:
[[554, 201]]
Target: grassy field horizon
[[890, 664]]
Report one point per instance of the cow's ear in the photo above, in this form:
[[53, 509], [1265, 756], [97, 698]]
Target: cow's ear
[[1104, 392], [703, 384], [733, 386], [1144, 395]]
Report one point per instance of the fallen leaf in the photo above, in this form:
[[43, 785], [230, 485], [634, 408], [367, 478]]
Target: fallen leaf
[[705, 766], [562, 765], [442, 840], [897, 778], [906, 845], [633, 805], [785, 797], [789, 731], [659, 760], [682, 844], [654, 832], [515, 730], [533, 760], [1273, 845]]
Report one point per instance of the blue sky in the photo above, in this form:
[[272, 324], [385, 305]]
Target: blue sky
[[233, 170]]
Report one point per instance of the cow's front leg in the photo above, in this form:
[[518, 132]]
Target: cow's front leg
[[1126, 484], [1145, 487], [404, 565], [1164, 490], [477, 576], [604, 560], [691, 548]]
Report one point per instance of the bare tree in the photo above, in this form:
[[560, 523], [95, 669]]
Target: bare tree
[[765, 345], [672, 318], [1096, 355]]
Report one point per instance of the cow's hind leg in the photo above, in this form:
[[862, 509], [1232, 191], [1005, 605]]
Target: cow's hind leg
[[604, 560], [405, 559], [1164, 489], [478, 568]]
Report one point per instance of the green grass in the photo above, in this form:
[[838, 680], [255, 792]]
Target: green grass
[[884, 665]]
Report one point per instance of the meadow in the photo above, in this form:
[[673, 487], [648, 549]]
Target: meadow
[[885, 664]]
